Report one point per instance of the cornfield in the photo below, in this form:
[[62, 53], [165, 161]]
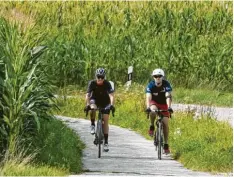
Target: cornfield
[[191, 41]]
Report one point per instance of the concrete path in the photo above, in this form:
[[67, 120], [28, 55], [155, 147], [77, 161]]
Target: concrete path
[[130, 154]]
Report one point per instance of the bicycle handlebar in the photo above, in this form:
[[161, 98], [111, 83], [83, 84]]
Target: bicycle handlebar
[[158, 111]]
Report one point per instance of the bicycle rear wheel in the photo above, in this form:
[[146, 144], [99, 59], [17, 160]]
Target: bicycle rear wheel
[[159, 136]]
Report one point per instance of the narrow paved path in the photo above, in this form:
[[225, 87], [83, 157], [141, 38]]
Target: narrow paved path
[[130, 154]]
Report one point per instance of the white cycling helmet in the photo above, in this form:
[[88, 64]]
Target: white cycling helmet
[[158, 72]]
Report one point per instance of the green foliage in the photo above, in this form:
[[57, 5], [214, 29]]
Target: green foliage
[[192, 41], [72, 107], [202, 144], [203, 97], [58, 146], [14, 168], [25, 89], [49, 153]]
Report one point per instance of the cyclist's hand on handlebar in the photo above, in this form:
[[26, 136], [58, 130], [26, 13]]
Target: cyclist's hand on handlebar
[[87, 108], [170, 110], [148, 110], [112, 108]]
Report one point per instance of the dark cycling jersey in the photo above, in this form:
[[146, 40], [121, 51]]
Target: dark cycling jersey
[[158, 93], [100, 93]]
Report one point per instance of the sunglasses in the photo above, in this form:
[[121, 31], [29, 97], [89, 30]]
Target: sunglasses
[[100, 77], [157, 76]]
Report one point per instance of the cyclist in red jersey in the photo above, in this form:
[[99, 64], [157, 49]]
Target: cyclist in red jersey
[[158, 96]]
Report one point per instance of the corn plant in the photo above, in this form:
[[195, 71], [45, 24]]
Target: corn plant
[[25, 90]]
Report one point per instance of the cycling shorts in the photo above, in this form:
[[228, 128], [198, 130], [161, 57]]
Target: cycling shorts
[[101, 105], [161, 106]]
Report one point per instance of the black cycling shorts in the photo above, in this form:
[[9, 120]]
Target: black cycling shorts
[[101, 104]]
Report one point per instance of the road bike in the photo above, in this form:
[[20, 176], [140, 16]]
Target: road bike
[[99, 134], [158, 135]]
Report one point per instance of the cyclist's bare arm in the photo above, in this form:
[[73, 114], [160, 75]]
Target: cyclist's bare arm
[[111, 95], [88, 93], [87, 99], [148, 99], [168, 98]]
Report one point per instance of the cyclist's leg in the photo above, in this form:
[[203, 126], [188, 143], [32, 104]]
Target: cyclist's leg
[[166, 134], [106, 127], [92, 115], [152, 118], [106, 112], [165, 129]]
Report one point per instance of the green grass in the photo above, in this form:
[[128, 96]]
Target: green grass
[[16, 169], [59, 147], [203, 144], [203, 97], [58, 153], [198, 96]]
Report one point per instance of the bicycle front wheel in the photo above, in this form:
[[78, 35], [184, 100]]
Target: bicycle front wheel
[[159, 130], [99, 136]]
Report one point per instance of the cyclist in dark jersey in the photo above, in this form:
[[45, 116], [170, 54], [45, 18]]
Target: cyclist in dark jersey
[[158, 96], [100, 94]]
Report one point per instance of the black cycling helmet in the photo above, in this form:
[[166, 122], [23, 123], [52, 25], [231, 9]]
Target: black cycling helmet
[[100, 72]]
